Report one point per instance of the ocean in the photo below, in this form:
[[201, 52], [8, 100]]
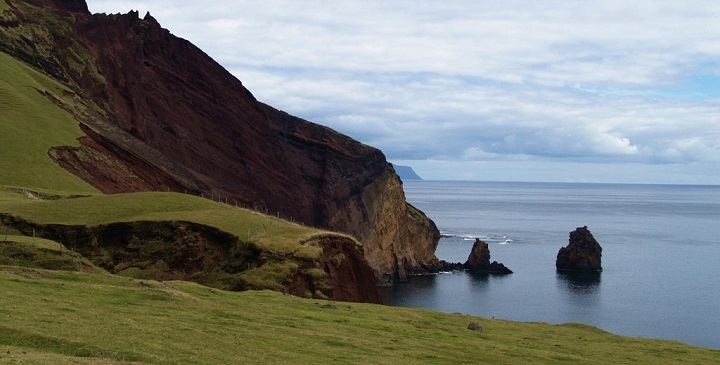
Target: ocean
[[661, 253]]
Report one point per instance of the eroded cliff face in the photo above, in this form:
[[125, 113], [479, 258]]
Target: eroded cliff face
[[168, 117], [177, 250]]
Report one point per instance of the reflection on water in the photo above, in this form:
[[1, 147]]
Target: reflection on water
[[417, 291], [479, 281], [580, 282], [582, 290], [421, 282]]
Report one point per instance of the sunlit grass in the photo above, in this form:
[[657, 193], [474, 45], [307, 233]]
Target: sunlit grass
[[31, 124], [61, 317]]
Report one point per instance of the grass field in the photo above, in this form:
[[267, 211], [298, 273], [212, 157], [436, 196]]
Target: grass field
[[72, 317], [30, 124]]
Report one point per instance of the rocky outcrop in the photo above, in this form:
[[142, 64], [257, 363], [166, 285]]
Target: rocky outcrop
[[348, 276], [583, 253], [479, 260], [164, 116]]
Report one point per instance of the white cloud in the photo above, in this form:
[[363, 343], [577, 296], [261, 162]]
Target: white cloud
[[550, 82]]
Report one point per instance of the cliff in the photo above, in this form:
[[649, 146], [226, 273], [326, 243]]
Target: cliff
[[159, 114]]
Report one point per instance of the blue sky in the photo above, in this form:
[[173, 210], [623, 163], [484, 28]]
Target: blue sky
[[610, 91]]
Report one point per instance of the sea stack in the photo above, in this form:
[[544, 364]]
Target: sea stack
[[583, 253], [479, 260]]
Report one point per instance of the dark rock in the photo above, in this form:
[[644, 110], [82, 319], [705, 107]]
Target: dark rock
[[479, 260], [583, 253], [474, 326], [75, 6], [442, 266]]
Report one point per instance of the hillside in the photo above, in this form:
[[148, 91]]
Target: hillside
[[158, 114], [81, 318]]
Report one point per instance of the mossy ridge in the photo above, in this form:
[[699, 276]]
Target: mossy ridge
[[180, 322]]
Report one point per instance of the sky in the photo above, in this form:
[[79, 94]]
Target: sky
[[512, 90]]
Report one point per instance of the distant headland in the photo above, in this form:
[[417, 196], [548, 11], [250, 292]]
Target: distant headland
[[406, 173]]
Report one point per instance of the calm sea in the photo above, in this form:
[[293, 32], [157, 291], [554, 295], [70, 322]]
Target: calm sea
[[661, 255]]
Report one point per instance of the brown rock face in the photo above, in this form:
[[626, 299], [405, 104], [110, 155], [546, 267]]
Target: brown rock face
[[479, 260], [168, 117], [583, 253]]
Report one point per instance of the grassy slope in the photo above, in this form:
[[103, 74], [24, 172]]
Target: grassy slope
[[271, 234], [29, 126], [3, 5], [68, 316]]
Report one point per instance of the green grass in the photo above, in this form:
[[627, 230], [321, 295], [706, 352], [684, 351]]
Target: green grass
[[31, 124], [3, 6], [266, 232], [72, 317]]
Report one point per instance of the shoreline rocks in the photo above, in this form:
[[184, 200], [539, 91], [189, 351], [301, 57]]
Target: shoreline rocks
[[479, 260]]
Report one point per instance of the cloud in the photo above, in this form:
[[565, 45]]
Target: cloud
[[555, 81]]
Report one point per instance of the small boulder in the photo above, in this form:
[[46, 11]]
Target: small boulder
[[474, 326], [479, 260], [583, 253]]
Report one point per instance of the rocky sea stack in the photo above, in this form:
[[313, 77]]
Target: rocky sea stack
[[583, 253], [479, 260]]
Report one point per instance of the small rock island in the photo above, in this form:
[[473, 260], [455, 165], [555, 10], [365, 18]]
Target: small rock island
[[479, 260], [582, 254]]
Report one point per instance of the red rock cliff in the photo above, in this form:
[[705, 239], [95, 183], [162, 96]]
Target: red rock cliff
[[174, 119]]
